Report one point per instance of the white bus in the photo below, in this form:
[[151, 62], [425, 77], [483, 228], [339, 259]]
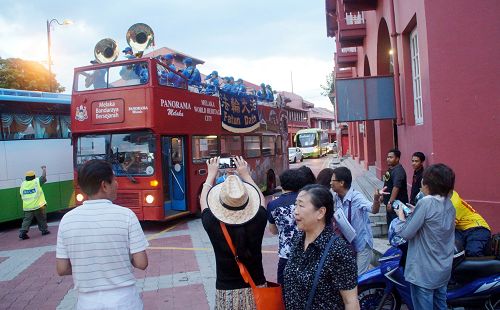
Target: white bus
[[35, 131]]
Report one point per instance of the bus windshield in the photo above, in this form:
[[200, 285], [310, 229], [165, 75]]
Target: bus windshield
[[306, 140], [113, 76], [131, 154]]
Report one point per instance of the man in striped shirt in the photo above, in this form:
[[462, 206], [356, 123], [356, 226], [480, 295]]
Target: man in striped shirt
[[99, 243]]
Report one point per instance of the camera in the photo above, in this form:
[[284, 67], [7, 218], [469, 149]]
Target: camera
[[225, 163], [398, 204]]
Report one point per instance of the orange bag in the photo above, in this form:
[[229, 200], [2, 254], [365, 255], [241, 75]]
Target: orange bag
[[266, 298]]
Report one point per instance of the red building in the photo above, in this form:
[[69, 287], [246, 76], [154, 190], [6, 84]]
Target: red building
[[444, 57], [297, 109]]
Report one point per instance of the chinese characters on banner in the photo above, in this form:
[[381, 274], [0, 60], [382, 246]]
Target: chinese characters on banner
[[239, 113]]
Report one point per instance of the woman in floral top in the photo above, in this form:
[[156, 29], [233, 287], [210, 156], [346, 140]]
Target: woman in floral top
[[337, 286], [280, 215]]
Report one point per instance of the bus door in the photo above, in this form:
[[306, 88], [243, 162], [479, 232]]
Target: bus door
[[174, 173]]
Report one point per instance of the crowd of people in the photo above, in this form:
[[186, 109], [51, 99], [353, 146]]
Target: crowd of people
[[212, 83], [319, 261]]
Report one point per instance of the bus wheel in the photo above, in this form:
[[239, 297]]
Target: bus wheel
[[271, 182]]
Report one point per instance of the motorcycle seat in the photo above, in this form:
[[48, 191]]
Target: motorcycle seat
[[472, 269]]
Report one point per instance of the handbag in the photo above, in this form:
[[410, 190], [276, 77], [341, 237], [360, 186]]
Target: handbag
[[266, 298], [310, 298]]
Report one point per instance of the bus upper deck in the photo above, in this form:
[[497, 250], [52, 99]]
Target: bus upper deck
[[158, 136]]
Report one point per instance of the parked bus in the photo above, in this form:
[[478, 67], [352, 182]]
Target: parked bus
[[34, 132], [313, 142], [158, 137]]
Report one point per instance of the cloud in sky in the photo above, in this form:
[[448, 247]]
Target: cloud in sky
[[260, 41]]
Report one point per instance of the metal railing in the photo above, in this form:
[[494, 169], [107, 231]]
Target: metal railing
[[348, 50], [354, 18]]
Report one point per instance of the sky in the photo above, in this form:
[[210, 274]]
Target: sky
[[259, 41]]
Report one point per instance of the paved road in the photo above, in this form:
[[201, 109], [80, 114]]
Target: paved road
[[180, 275]]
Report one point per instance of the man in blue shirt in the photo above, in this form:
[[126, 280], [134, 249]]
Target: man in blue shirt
[[240, 87], [262, 93], [191, 73], [170, 77], [129, 54], [212, 83], [356, 207], [269, 93]]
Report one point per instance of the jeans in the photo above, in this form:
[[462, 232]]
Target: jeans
[[281, 267], [424, 299], [474, 240]]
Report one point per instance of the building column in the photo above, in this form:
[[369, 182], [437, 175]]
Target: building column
[[360, 142], [369, 144], [384, 141], [353, 134]]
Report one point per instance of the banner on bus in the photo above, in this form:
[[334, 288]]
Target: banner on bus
[[239, 113]]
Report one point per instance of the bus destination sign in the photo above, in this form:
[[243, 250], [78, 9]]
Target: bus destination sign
[[108, 111]]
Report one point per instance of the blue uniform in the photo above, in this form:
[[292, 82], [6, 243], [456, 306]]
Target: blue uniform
[[212, 85], [261, 95], [193, 75], [241, 89], [269, 95]]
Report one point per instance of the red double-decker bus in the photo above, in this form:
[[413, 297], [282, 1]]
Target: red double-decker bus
[[158, 135]]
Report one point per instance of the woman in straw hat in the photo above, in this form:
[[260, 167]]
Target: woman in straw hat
[[236, 202]]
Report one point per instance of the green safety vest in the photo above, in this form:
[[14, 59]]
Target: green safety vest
[[32, 195]]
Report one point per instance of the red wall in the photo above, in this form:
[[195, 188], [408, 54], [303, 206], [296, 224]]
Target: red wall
[[464, 64], [459, 44]]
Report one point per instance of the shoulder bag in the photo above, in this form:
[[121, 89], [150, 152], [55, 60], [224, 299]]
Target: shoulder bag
[[310, 298], [266, 298]]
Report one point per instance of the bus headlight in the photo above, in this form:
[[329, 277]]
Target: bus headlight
[[150, 198], [79, 197]]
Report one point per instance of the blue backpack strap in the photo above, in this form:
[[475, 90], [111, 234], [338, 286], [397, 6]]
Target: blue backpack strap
[[318, 272]]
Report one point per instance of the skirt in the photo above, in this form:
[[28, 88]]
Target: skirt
[[234, 299]]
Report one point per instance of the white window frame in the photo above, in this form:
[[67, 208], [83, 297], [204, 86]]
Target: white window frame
[[415, 75]]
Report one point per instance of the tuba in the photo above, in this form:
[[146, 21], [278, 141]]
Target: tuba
[[139, 37], [106, 51]]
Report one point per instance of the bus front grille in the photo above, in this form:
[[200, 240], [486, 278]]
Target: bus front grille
[[131, 201]]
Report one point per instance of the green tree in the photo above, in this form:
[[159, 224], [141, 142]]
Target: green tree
[[16, 73], [329, 88]]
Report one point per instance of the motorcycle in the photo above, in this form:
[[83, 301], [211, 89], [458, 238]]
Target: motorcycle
[[474, 284]]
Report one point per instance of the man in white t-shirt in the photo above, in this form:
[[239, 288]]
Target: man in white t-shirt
[[99, 243]]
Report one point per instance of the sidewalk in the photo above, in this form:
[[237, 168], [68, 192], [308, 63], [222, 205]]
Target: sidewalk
[[366, 182]]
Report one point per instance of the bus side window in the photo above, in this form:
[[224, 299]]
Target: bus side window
[[252, 146], [204, 147], [230, 145], [268, 146]]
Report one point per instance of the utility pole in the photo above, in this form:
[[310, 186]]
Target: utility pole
[[291, 79]]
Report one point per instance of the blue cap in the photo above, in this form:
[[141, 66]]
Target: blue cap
[[262, 85], [214, 73], [188, 61], [168, 56], [127, 49], [239, 80]]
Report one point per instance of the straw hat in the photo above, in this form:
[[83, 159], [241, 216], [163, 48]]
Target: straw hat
[[233, 202]]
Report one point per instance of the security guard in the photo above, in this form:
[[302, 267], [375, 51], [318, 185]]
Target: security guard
[[33, 203]]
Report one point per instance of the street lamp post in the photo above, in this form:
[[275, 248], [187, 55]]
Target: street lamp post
[[65, 22]]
